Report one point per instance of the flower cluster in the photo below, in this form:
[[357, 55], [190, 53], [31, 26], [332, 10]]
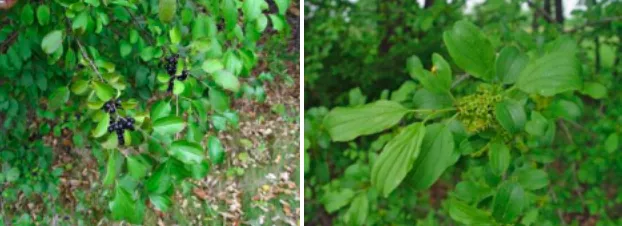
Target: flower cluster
[[477, 111]]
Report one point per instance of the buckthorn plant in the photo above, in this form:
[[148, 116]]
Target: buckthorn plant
[[144, 86], [497, 117]]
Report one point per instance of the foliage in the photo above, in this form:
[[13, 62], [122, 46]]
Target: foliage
[[159, 74], [480, 135]]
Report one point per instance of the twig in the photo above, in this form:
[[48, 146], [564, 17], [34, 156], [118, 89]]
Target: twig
[[459, 80], [141, 28], [590, 23], [86, 56], [578, 126], [576, 178], [540, 11], [559, 212], [565, 128]]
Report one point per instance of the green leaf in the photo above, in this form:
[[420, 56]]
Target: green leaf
[[178, 87], [532, 179], [510, 63], [499, 157], [537, 125], [28, 14], [611, 143], [161, 202], [187, 152], [469, 215], [252, 9], [470, 49], [335, 200], [404, 93], [169, 125], [43, 14], [216, 151], [347, 123], [52, 41], [436, 153], [111, 167], [160, 181], [219, 100], [511, 115], [160, 109], [104, 91], [200, 170], [551, 74], [283, 5], [261, 23], [136, 167], [509, 202], [79, 86], [102, 126], [175, 35], [424, 99], [359, 208], [229, 13], [123, 207], [167, 10], [212, 65], [397, 158], [12, 175], [58, 98], [594, 90], [227, 80], [278, 22], [438, 82], [125, 49]]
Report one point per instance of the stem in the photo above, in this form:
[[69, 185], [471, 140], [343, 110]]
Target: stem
[[86, 56], [432, 110]]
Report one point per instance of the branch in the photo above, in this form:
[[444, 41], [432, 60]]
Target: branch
[[540, 11], [591, 23], [142, 30], [86, 56]]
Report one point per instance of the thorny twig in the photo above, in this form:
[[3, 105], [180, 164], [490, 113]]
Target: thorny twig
[[565, 128]]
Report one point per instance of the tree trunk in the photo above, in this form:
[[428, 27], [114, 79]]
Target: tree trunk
[[547, 9], [559, 11], [428, 4]]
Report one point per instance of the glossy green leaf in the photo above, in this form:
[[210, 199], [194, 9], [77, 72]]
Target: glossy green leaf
[[161, 202], [212, 65], [551, 74], [123, 207], [438, 81], [359, 208], [178, 87], [216, 151], [167, 10], [187, 152], [532, 179], [537, 125], [111, 167], [509, 202], [611, 143], [347, 123], [219, 100], [469, 215], [58, 98], [136, 167], [104, 91], [160, 109], [283, 5], [52, 41], [200, 170], [227, 80], [27, 15], [499, 157], [160, 180], [470, 49], [102, 126], [397, 158], [509, 64], [511, 115], [43, 14], [436, 153], [169, 125], [175, 35], [252, 9], [594, 90], [335, 200], [278, 22]]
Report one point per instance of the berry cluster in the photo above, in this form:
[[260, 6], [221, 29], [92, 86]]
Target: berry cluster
[[111, 106], [120, 126], [171, 69], [477, 111]]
